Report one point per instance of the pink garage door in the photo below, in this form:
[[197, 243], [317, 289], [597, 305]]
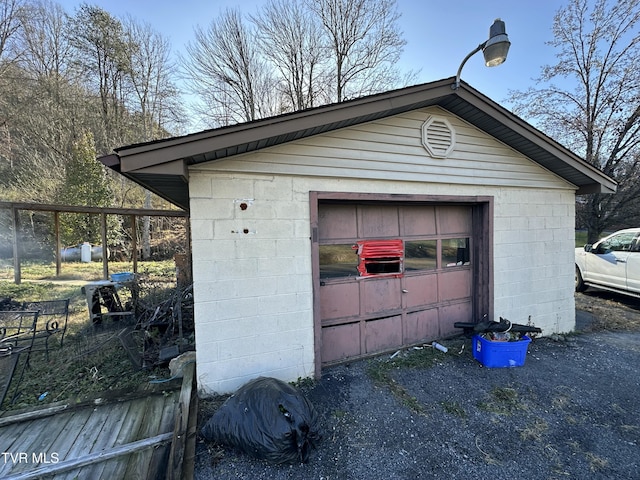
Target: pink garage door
[[392, 275]]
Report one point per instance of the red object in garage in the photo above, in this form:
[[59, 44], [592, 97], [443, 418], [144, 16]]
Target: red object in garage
[[380, 257]]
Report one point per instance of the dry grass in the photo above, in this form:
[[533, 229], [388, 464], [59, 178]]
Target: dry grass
[[90, 271], [381, 371], [454, 408], [611, 312], [596, 462], [503, 400], [90, 362], [535, 430]]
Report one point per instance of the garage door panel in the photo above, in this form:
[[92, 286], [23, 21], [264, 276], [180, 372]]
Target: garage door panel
[[337, 221], [455, 284], [378, 221], [420, 220], [382, 334], [450, 314], [421, 325], [381, 294], [454, 220], [339, 300], [340, 342], [420, 290]]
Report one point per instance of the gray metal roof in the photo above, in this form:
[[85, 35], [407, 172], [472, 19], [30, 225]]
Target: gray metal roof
[[161, 166]]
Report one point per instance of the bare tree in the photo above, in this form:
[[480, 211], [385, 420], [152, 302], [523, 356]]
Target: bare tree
[[315, 51], [41, 105], [47, 62], [9, 26], [596, 111], [74, 77], [291, 38], [155, 96], [225, 69], [364, 43], [148, 57], [45, 47]]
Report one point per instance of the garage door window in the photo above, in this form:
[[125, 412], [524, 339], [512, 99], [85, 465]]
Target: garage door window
[[338, 261], [455, 252], [369, 258], [421, 255]]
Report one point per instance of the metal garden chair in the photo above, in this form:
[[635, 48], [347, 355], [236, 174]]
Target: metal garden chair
[[56, 314], [17, 334]]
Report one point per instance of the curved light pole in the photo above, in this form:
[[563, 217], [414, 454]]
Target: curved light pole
[[495, 49]]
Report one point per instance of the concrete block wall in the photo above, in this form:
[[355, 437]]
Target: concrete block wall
[[534, 239], [253, 278]]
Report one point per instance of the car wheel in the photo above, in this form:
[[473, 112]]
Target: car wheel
[[580, 286]]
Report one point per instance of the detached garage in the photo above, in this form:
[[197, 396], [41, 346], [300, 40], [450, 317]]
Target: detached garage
[[352, 229]]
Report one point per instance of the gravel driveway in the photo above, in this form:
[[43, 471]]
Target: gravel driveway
[[571, 412]]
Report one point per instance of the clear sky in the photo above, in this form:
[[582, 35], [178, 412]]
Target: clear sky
[[439, 34]]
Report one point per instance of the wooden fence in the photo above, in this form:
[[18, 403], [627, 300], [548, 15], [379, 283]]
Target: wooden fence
[[133, 213]]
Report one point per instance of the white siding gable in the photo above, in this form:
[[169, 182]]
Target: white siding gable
[[392, 149]]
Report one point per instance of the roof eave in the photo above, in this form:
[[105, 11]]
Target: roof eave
[[251, 136], [168, 181], [170, 157]]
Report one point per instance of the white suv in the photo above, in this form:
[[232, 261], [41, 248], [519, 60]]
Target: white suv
[[612, 263]]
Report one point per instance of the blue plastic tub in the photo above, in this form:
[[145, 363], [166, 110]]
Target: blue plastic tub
[[500, 354], [122, 277]]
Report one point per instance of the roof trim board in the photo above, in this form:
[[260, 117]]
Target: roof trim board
[[161, 166]]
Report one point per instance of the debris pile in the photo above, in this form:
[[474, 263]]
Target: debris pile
[[163, 330], [6, 304], [502, 331]]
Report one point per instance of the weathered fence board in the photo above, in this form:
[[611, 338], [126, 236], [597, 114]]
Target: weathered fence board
[[118, 439]]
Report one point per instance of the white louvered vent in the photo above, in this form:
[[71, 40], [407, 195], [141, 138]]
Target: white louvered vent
[[438, 137]]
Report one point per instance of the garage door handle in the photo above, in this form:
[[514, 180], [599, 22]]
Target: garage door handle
[[405, 291]]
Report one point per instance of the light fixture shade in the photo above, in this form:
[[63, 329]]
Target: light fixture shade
[[495, 49], [496, 54]]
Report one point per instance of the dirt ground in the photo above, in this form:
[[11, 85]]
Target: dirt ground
[[571, 412]]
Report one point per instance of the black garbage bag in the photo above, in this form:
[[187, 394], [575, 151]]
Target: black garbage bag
[[266, 418]]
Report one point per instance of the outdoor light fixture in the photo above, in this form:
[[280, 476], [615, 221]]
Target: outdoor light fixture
[[495, 49]]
